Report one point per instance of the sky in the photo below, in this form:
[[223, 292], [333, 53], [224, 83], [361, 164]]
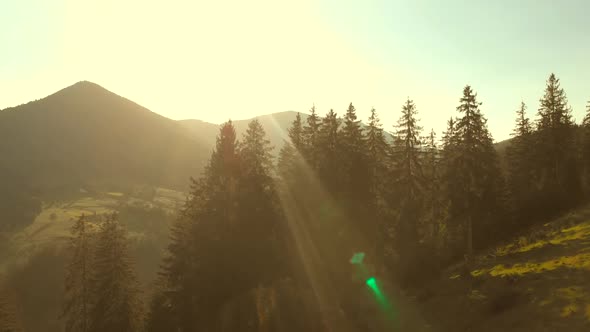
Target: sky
[[215, 60]]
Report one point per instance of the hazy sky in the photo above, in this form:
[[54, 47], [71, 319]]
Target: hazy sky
[[214, 60]]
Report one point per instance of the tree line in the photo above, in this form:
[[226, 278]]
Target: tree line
[[261, 246]]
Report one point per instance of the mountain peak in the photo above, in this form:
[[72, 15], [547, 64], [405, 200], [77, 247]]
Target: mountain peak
[[85, 87]]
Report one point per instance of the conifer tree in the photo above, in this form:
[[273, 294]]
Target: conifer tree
[[328, 148], [78, 296], [286, 161], [296, 132], [355, 176], [290, 155], [377, 152], [586, 149], [555, 153], [476, 187], [433, 197], [409, 184], [259, 229], [209, 213], [520, 166], [116, 304], [310, 136]]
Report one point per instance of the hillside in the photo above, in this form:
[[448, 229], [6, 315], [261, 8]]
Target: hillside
[[536, 282], [87, 135]]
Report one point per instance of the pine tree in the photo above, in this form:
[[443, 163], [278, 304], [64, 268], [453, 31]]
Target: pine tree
[[310, 136], [355, 177], [328, 149], [586, 149], [520, 165], [209, 212], [286, 161], [258, 228], [116, 305], [78, 297], [378, 163], [409, 184], [555, 155], [433, 197], [377, 152], [290, 153], [477, 191], [296, 133]]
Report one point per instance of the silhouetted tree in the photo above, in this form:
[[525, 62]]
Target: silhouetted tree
[[555, 157], [78, 299], [115, 290], [586, 149], [520, 179], [409, 184], [475, 181], [310, 139], [329, 152]]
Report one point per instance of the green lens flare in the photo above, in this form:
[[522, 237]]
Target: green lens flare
[[371, 282]]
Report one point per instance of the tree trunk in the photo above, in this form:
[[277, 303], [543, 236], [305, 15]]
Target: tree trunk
[[469, 238]]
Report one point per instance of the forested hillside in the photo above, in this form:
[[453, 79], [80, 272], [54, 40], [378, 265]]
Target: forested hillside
[[342, 229]]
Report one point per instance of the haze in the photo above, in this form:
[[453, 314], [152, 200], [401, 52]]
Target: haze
[[214, 60]]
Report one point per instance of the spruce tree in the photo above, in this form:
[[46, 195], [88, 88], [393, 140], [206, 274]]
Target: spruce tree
[[377, 153], [520, 178], [433, 193], [555, 153], [296, 133], [586, 149], [355, 177], [209, 214], [476, 187], [409, 184], [78, 296], [258, 234], [310, 137], [291, 153], [115, 291], [328, 149]]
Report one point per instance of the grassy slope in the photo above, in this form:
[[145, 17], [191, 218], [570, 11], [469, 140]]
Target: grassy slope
[[53, 224], [540, 282]]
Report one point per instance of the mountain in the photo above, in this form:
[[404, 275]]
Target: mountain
[[87, 135]]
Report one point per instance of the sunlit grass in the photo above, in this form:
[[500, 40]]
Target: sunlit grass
[[579, 261], [562, 237], [568, 310]]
